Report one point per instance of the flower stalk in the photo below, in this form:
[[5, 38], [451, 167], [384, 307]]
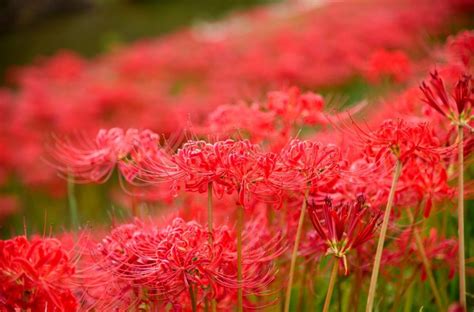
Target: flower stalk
[[210, 221], [332, 282], [240, 228], [383, 232], [192, 296], [71, 195], [209, 211], [426, 263], [461, 255], [294, 254]]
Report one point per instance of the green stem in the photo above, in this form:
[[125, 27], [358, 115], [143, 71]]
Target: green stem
[[461, 253], [332, 282], [240, 227], [72, 203], [301, 295], [383, 232], [409, 299], [426, 263], [405, 285], [294, 255]]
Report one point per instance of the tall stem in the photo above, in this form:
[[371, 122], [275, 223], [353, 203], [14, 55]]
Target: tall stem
[[295, 252], [210, 222], [71, 195], [461, 254], [332, 282], [383, 232], [426, 263], [209, 211], [192, 296], [240, 227]]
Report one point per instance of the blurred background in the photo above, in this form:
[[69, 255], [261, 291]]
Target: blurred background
[[33, 28], [75, 66]]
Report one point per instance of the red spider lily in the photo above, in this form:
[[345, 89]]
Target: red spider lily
[[161, 264], [227, 120], [205, 163], [461, 47], [35, 275], [293, 107], [439, 250], [88, 161], [303, 164], [230, 166], [384, 63], [456, 107], [344, 227], [427, 182], [314, 246], [404, 140]]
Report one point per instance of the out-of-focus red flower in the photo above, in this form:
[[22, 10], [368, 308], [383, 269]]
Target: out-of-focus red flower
[[426, 181], [461, 47], [35, 275], [456, 307], [8, 206], [93, 161], [392, 64], [344, 227], [439, 250], [458, 106], [294, 107]]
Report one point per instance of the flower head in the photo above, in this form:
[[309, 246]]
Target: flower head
[[456, 106], [94, 161], [304, 164], [345, 226], [35, 275], [403, 140]]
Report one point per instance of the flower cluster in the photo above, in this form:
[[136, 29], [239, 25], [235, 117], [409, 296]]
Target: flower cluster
[[157, 84], [152, 266], [229, 186]]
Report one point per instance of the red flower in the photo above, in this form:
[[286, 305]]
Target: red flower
[[35, 275], [423, 181], [303, 164], [387, 63], [402, 139], [162, 264], [94, 161], [457, 107], [439, 250], [345, 226]]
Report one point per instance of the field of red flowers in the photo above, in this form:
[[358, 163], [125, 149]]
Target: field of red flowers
[[299, 156]]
